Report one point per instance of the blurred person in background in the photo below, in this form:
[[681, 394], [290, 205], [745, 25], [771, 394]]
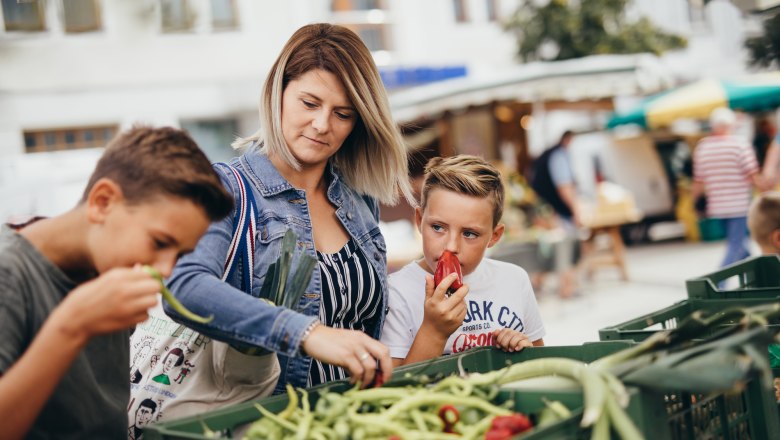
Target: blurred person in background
[[724, 170], [762, 138], [327, 153], [771, 164], [553, 181]]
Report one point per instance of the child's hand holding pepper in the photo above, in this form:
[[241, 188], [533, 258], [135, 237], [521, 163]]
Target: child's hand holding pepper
[[444, 314]]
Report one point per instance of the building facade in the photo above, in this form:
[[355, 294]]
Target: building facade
[[75, 72]]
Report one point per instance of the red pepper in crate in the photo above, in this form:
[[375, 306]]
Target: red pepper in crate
[[448, 263], [504, 427], [379, 379], [450, 416], [498, 434], [516, 423]]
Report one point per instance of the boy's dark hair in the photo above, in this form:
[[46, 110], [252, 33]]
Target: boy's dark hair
[[146, 162]]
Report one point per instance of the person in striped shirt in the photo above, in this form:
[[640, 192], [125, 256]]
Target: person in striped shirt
[[725, 170]]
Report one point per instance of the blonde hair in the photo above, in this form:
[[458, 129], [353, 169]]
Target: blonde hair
[[373, 158], [764, 217], [468, 175]]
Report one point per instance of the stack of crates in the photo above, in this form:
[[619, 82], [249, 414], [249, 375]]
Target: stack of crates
[[667, 415], [757, 282], [231, 421], [658, 416]]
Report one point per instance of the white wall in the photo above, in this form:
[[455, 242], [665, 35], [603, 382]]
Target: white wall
[[131, 72], [426, 32]]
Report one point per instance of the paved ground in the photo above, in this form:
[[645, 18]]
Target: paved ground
[[657, 274]]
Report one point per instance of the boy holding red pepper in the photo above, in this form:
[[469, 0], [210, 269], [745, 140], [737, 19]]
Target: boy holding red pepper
[[493, 304]]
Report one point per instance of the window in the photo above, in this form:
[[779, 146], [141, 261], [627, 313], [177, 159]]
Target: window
[[459, 7], [80, 15], [26, 16], [365, 5], [176, 15], [355, 5], [373, 35], [36, 141], [492, 10], [214, 137], [223, 14]]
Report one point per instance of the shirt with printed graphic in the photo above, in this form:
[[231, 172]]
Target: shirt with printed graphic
[[500, 296]]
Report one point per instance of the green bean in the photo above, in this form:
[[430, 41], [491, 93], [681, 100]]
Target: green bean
[[273, 417], [168, 296]]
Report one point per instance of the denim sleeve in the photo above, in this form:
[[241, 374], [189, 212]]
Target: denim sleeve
[[239, 318]]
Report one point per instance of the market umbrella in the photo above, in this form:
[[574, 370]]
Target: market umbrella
[[696, 100]]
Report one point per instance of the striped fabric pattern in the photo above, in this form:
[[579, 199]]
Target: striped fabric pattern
[[351, 298], [725, 164], [244, 227]]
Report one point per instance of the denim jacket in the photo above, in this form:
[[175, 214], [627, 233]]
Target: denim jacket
[[242, 320]]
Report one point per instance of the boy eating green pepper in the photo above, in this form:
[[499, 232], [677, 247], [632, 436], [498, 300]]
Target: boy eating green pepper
[[72, 285]]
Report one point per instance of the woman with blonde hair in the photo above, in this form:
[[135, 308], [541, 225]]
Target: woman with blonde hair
[[327, 153]]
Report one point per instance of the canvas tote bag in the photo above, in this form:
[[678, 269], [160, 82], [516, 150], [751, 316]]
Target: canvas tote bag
[[175, 371]]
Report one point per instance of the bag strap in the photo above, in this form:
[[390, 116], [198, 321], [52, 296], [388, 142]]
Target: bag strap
[[242, 245]]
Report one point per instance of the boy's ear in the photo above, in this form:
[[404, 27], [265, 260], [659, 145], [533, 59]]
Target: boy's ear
[[102, 198], [775, 237], [418, 218], [498, 231]]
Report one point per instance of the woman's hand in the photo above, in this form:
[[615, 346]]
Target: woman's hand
[[511, 340], [353, 350]]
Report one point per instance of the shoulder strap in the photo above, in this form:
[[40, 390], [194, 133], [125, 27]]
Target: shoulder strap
[[243, 242]]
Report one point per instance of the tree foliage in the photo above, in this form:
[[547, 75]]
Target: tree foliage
[[563, 29], [764, 51]]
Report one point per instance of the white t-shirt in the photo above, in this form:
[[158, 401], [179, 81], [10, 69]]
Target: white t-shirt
[[500, 295]]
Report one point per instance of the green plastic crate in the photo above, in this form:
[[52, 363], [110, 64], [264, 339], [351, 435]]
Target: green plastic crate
[[758, 277], [639, 329], [231, 419], [659, 416]]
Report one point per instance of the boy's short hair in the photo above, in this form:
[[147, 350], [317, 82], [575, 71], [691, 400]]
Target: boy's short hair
[[764, 217], [146, 162], [468, 175]]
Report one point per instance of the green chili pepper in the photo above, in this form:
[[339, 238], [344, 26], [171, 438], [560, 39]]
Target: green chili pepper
[[168, 296]]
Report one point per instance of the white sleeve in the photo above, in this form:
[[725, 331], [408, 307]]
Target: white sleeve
[[399, 329], [534, 328]]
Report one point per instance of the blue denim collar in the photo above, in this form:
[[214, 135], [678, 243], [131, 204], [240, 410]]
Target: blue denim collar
[[270, 182]]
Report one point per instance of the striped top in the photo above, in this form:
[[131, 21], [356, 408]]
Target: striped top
[[725, 164], [351, 299]]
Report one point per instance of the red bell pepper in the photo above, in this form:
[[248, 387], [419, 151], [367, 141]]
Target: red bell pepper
[[450, 416], [448, 263], [498, 434], [513, 423]]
